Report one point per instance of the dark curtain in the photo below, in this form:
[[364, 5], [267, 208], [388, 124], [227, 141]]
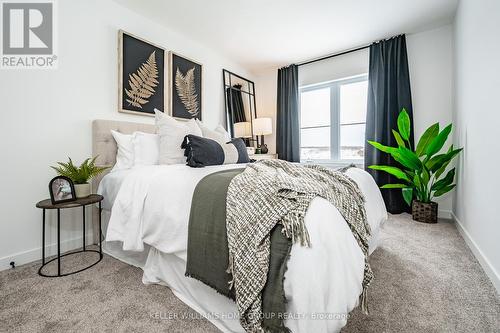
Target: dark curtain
[[388, 92], [235, 106], [287, 117]]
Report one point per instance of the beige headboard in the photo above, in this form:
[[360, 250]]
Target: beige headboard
[[103, 144]]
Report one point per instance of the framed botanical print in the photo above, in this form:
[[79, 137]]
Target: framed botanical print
[[185, 84], [142, 69]]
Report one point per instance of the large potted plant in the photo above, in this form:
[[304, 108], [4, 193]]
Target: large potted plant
[[422, 168], [80, 175]]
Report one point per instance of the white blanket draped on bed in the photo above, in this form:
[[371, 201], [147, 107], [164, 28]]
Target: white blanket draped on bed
[[152, 207]]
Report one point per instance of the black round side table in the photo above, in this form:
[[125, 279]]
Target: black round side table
[[47, 204]]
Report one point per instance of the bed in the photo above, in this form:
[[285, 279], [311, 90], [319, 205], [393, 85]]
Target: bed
[[146, 214]]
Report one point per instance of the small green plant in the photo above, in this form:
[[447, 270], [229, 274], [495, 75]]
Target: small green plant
[[79, 175], [422, 167]]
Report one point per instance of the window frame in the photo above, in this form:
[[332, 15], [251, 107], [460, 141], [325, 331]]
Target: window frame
[[335, 125]]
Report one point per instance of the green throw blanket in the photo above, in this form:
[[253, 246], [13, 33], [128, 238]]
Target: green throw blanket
[[207, 254]]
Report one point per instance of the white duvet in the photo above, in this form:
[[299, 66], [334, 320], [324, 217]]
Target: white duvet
[[322, 283]]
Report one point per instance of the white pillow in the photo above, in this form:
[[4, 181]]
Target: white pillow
[[172, 133], [219, 134], [220, 129], [193, 127], [125, 152], [146, 148]]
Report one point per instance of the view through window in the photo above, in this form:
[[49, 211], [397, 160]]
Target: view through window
[[332, 120]]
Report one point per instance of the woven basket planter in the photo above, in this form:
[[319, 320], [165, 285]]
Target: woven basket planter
[[424, 212]]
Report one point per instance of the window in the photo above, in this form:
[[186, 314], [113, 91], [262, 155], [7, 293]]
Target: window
[[332, 120]]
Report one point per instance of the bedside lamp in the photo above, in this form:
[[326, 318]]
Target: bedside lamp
[[263, 126], [243, 129]]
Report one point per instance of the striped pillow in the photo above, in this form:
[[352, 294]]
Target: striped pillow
[[201, 152]]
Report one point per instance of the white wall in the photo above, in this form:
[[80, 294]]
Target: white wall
[[431, 73], [336, 68], [46, 115], [266, 94], [430, 59], [477, 118]]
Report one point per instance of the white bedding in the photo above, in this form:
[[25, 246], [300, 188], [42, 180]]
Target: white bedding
[[110, 185], [152, 207]]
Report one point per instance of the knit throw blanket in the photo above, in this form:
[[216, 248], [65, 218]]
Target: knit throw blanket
[[270, 192]]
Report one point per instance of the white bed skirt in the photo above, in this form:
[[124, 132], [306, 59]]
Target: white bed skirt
[[168, 270]]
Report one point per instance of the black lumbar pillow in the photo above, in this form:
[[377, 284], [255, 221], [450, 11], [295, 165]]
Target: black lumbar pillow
[[201, 152]]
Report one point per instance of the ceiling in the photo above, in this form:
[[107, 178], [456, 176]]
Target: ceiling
[[259, 34]]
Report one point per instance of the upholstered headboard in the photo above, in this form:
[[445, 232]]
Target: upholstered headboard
[[103, 144]]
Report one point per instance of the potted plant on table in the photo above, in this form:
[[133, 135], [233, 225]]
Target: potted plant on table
[[80, 175], [422, 168]]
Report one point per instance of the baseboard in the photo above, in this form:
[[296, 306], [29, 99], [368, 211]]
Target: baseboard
[[485, 263], [26, 257], [444, 214]]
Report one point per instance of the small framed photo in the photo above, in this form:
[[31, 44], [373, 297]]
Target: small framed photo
[[61, 190], [185, 85]]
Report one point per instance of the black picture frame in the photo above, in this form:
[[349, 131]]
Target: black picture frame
[[182, 107], [57, 198], [134, 55]]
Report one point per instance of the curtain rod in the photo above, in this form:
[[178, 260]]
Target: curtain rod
[[346, 52], [334, 55]]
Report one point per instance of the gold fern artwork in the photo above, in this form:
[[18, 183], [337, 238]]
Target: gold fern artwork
[[142, 83], [186, 90]]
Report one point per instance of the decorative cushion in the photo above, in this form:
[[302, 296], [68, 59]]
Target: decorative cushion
[[221, 130], [218, 134], [193, 127], [171, 133], [202, 152]]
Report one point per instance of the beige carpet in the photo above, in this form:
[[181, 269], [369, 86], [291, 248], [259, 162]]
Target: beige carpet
[[426, 280]]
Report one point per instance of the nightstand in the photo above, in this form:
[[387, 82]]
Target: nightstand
[[259, 157], [82, 202]]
